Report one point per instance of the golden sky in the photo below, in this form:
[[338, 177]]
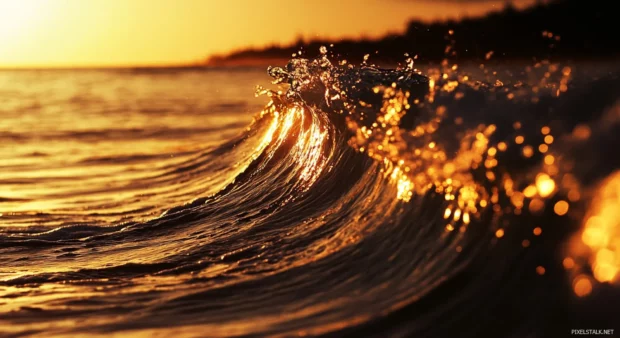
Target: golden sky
[[76, 33]]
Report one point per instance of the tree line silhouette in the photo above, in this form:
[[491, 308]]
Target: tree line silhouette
[[569, 29]]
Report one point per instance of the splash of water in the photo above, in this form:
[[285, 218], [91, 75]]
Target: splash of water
[[397, 118]]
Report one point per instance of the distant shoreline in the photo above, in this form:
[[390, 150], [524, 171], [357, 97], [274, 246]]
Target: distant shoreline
[[264, 63], [546, 31]]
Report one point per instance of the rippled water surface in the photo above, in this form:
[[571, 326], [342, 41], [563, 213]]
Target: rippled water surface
[[161, 202]]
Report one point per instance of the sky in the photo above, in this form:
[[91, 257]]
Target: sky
[[96, 33]]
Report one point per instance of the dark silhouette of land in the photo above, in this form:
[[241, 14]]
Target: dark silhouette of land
[[569, 29]]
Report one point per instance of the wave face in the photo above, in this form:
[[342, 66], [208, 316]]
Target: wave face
[[359, 202]]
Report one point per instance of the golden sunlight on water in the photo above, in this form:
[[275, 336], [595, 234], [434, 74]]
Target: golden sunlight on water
[[310, 143], [594, 253], [94, 146], [601, 232], [417, 160]]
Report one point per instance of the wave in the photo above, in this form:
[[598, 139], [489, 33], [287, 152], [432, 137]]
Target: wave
[[361, 201]]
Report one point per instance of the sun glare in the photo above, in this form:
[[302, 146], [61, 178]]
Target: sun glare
[[18, 18]]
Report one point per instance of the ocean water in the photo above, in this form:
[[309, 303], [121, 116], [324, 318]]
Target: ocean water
[[176, 202]]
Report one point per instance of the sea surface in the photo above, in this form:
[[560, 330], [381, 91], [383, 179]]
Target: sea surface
[[176, 202]]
